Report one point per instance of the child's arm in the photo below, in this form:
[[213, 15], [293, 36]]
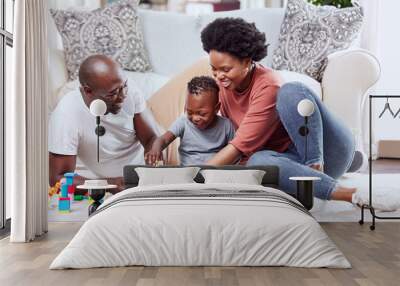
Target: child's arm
[[162, 142], [176, 130]]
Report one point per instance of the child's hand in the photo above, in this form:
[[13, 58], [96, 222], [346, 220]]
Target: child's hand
[[153, 156]]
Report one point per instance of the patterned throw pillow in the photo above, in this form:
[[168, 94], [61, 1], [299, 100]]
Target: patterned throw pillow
[[114, 31], [310, 33]]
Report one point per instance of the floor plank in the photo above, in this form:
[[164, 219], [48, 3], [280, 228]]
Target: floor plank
[[375, 257]]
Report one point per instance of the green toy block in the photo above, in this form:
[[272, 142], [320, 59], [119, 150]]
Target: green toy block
[[78, 197]]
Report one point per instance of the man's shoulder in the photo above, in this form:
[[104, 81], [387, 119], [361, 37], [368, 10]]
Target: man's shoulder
[[71, 100], [70, 110], [135, 93], [70, 103], [134, 101]]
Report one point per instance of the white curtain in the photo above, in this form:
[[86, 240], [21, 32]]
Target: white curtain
[[26, 117], [370, 40]]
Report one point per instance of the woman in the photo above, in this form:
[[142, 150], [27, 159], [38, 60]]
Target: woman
[[265, 115]]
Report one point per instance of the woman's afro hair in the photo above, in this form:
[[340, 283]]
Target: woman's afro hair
[[236, 37]]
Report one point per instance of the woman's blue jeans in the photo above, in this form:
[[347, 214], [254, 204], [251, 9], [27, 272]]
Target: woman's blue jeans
[[330, 142]]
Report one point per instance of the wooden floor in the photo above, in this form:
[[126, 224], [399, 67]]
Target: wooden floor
[[374, 255], [385, 166]]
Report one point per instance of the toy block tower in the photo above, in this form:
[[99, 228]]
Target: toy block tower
[[64, 202]]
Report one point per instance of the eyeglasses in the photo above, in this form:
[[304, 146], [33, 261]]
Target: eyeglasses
[[120, 91]]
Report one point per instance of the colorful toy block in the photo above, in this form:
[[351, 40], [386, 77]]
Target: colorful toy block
[[53, 191], [64, 204], [71, 191], [64, 190], [69, 178], [79, 197], [67, 192]]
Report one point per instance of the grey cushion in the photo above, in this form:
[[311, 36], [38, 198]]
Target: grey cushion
[[270, 179], [247, 177], [310, 33], [166, 176], [114, 31]]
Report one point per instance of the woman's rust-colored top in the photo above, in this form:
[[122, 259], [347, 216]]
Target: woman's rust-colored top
[[254, 115]]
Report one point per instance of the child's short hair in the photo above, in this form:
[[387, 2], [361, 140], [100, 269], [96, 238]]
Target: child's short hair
[[203, 83]]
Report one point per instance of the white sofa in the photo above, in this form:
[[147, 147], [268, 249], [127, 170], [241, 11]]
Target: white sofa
[[173, 43]]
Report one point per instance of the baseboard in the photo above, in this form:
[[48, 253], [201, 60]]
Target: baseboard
[[389, 149], [5, 231]]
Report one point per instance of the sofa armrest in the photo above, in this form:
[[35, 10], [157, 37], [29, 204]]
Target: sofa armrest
[[58, 75], [348, 76]]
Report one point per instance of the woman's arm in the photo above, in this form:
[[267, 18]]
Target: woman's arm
[[227, 156], [255, 129]]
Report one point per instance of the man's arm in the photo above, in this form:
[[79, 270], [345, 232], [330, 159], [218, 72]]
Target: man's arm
[[61, 164], [144, 131]]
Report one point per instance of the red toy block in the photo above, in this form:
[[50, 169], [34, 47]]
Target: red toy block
[[71, 189]]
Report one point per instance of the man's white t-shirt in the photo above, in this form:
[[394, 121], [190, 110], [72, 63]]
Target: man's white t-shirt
[[72, 132]]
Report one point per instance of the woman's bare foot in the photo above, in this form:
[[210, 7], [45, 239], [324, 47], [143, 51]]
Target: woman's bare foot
[[317, 167], [382, 201], [343, 194]]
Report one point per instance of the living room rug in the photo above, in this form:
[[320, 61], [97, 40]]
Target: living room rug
[[332, 211]]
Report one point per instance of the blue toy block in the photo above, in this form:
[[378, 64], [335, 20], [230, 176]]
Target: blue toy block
[[64, 190], [64, 204], [69, 178]]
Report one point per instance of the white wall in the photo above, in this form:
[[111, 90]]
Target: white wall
[[389, 56], [62, 4], [274, 3], [244, 4]]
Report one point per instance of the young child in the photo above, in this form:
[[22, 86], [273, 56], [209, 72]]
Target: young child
[[202, 132]]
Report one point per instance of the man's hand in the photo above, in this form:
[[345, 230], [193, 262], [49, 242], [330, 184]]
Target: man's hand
[[119, 181], [61, 164]]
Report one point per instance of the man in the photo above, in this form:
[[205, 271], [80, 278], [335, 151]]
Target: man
[[72, 126]]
